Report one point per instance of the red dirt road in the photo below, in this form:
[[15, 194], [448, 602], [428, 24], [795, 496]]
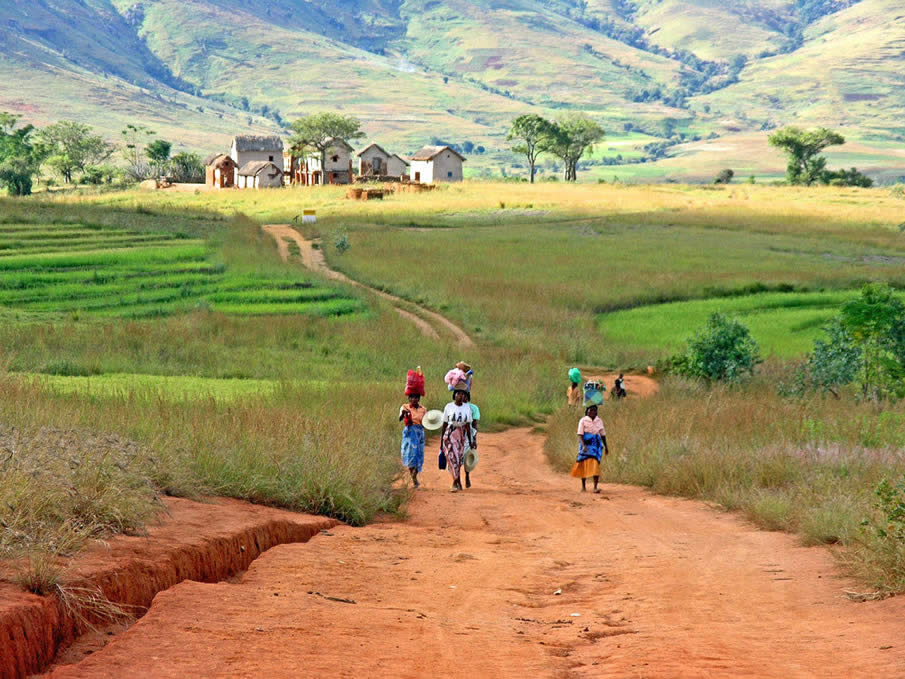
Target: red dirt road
[[651, 587]]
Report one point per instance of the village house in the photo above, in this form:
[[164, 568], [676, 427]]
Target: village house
[[248, 148], [397, 166], [306, 170], [259, 174], [219, 171], [373, 161], [436, 164]]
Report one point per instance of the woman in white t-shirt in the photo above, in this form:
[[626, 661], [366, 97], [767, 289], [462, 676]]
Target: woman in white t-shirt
[[457, 419]]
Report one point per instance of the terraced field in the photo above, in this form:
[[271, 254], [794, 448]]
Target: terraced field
[[87, 269]]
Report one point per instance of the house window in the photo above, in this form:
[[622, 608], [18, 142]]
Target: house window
[[271, 159], [335, 159], [449, 174], [377, 164]]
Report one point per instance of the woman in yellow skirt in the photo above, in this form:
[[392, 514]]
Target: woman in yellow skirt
[[591, 446]]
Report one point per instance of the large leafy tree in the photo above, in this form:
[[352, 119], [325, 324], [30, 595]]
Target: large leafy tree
[[573, 135], [802, 148], [20, 155], [531, 131], [71, 147], [318, 131]]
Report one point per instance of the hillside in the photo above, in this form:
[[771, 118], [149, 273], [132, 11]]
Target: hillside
[[416, 71]]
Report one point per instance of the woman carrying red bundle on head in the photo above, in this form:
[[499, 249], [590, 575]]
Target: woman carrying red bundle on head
[[412, 415]]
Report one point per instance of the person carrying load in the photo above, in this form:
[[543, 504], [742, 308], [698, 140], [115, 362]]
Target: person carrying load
[[412, 414]]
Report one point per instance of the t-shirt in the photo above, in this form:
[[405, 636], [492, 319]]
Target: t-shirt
[[457, 416], [589, 426], [574, 394], [475, 412], [417, 413]]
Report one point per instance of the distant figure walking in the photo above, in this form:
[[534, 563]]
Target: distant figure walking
[[574, 393], [473, 440], [591, 446], [456, 434], [619, 387], [412, 414]]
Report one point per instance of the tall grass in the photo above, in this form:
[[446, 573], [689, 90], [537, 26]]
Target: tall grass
[[808, 467]]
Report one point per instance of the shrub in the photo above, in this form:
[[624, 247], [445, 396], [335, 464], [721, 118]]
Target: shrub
[[723, 351], [342, 243], [724, 177]]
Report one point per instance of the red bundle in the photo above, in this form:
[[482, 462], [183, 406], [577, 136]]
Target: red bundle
[[414, 383]]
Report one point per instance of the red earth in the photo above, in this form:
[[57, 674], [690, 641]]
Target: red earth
[[521, 576]]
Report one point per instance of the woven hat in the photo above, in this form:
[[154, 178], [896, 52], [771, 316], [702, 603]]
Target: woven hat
[[471, 459], [433, 420], [461, 386]]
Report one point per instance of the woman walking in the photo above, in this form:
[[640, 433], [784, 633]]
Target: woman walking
[[456, 434], [412, 415], [591, 445]]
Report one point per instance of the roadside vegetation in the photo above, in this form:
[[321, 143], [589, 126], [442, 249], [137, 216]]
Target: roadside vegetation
[[227, 397]]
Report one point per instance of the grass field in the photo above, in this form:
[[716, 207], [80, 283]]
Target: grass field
[[258, 406], [785, 325]]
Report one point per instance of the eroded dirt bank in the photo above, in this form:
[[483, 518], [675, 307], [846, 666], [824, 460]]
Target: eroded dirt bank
[[650, 587], [193, 541]]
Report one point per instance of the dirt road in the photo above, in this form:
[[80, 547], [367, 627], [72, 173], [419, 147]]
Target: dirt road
[[650, 587], [425, 320]]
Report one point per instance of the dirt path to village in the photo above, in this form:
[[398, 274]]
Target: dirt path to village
[[521, 576], [313, 259]]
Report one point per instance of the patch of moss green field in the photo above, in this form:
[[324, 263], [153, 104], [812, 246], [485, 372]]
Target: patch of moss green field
[[299, 409]]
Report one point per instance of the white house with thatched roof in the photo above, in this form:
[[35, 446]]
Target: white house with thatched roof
[[436, 164], [259, 174], [250, 148]]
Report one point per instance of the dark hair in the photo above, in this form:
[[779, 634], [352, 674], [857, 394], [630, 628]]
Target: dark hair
[[587, 411], [459, 391]]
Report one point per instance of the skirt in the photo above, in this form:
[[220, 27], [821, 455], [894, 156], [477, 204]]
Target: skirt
[[586, 469], [413, 447], [454, 445]]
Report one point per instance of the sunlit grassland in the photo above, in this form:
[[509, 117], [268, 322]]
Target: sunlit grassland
[[784, 324]]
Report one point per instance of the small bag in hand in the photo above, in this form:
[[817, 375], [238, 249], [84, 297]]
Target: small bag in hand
[[442, 460]]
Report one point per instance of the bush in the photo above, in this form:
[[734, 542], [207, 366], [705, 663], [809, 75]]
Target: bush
[[724, 177], [852, 177], [723, 351], [99, 174], [342, 243]]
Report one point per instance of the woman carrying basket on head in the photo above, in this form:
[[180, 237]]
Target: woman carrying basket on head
[[591, 446], [412, 415], [457, 419]]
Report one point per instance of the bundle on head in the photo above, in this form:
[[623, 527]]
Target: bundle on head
[[414, 383], [453, 377]]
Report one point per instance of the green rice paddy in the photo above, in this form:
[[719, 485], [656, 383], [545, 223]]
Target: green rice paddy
[[785, 325], [108, 272]]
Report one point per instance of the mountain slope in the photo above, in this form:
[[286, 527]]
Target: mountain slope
[[417, 71]]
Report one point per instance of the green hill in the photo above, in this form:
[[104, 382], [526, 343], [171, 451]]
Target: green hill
[[702, 76]]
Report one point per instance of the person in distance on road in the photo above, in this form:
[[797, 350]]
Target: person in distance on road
[[456, 433], [591, 445], [412, 415], [573, 393]]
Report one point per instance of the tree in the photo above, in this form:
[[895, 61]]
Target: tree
[[723, 350], [20, 156], [876, 322], [531, 131], [802, 148], [572, 136], [724, 177], [187, 167], [318, 132], [158, 153], [71, 147], [135, 139]]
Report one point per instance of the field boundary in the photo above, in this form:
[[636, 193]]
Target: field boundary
[[313, 259]]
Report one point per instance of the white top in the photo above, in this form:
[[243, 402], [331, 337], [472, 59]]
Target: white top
[[457, 416]]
